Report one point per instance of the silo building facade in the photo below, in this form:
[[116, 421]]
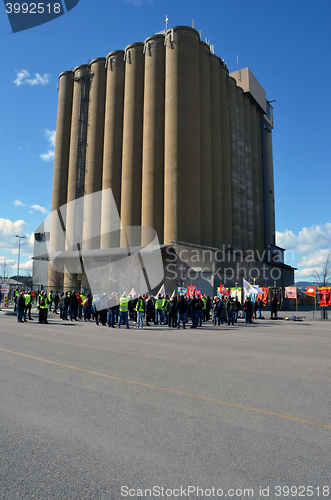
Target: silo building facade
[[184, 145]]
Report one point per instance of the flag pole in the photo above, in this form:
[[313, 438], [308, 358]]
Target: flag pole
[[296, 294], [315, 301]]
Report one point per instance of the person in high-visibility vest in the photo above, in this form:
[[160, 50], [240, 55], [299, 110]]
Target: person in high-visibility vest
[[124, 307], [28, 304], [50, 299], [165, 303], [140, 308], [43, 307], [158, 309], [16, 295], [204, 308]]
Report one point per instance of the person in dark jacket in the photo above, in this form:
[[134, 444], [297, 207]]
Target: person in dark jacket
[[273, 308], [20, 305], [181, 308], [248, 310], [65, 303], [172, 315], [230, 308], [150, 311], [73, 306], [56, 300], [194, 307]]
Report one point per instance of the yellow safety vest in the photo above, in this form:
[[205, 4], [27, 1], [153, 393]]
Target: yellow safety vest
[[124, 304], [140, 305], [158, 303]]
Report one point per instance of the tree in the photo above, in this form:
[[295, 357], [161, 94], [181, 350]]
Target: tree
[[323, 274], [4, 270]]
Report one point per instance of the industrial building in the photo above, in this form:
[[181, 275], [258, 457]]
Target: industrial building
[[184, 145]]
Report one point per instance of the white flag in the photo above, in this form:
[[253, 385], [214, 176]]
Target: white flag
[[248, 288], [161, 291]]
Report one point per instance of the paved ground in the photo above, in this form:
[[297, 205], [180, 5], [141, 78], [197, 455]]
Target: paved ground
[[88, 412]]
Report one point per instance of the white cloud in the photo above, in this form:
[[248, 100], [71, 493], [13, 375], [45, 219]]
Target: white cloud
[[19, 203], [50, 136], [311, 246], [27, 266], [8, 230], [49, 156], [6, 264], [309, 240], [23, 77], [305, 274], [315, 259], [39, 208]]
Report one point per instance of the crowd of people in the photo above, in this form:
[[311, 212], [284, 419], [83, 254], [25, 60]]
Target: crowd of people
[[115, 310]]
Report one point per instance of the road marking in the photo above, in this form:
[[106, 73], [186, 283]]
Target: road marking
[[174, 391]]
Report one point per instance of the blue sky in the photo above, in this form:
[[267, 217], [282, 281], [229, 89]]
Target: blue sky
[[285, 44]]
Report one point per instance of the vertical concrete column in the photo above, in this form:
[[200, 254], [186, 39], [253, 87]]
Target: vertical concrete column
[[182, 137], [77, 125], [61, 165], [112, 155], [242, 170], [236, 227], [152, 202], [270, 187], [132, 143], [226, 165], [257, 173], [262, 246], [94, 154], [249, 174], [216, 151], [207, 61]]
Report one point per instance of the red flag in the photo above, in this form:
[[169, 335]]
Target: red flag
[[198, 293], [311, 291], [325, 295], [190, 290], [222, 290], [263, 296]]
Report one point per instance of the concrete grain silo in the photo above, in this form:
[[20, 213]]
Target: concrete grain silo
[[61, 162], [94, 154], [112, 153], [235, 179], [208, 215], [152, 200], [182, 208], [249, 173], [226, 175], [242, 173], [173, 142], [132, 143], [216, 152], [77, 159]]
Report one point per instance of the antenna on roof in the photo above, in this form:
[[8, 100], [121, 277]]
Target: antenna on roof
[[237, 62], [193, 23], [166, 22]]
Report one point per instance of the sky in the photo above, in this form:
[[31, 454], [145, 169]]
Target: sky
[[285, 44]]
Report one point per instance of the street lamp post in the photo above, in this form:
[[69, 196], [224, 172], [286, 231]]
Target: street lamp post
[[19, 251]]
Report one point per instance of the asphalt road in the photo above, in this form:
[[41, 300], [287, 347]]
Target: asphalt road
[[91, 412]]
